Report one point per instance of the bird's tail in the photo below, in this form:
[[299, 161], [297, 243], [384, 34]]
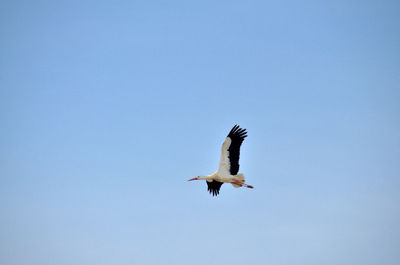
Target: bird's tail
[[240, 179]]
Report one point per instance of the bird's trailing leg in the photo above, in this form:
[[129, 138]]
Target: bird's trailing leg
[[248, 186], [242, 184]]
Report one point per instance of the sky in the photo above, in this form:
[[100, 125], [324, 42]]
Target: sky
[[108, 107]]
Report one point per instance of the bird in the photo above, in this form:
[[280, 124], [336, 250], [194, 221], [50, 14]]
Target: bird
[[228, 165]]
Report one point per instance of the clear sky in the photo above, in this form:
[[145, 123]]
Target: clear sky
[[108, 107]]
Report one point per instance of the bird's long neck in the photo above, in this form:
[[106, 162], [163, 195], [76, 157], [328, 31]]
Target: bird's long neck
[[209, 176]]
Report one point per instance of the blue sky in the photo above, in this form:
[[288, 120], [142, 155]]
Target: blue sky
[[108, 107]]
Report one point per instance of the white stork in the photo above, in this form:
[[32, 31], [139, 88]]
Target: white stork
[[229, 163]]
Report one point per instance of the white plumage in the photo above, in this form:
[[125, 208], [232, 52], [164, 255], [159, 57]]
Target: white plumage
[[229, 163]]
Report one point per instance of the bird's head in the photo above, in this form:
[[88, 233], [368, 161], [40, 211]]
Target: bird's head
[[196, 178]]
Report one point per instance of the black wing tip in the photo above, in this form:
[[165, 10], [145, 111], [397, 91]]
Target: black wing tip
[[213, 192], [238, 132], [213, 187]]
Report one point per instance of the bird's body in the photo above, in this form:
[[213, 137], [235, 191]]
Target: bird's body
[[229, 163]]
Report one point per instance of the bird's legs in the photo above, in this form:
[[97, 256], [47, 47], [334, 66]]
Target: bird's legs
[[242, 184]]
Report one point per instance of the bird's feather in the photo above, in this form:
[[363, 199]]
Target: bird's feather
[[213, 187], [230, 151]]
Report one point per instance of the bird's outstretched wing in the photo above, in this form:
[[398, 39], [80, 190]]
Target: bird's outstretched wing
[[230, 152], [214, 186]]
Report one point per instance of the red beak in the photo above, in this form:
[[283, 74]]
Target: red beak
[[193, 179]]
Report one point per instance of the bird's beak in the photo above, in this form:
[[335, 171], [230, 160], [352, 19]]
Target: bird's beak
[[196, 178]]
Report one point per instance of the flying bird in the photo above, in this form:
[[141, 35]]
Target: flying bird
[[229, 163]]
